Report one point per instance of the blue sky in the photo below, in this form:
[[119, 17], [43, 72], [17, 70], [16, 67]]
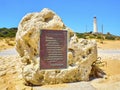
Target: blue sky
[[76, 14]]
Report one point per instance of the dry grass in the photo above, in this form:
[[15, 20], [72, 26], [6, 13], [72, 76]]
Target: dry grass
[[6, 43]]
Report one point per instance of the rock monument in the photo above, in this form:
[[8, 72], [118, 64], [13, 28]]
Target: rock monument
[[81, 53]]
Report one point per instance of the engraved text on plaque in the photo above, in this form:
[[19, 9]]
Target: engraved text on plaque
[[53, 49]]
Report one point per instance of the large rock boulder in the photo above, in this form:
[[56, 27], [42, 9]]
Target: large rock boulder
[[81, 53]]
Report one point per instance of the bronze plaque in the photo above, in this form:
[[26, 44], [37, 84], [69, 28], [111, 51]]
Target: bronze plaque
[[53, 49]]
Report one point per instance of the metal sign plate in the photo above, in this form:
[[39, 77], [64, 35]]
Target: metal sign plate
[[53, 49]]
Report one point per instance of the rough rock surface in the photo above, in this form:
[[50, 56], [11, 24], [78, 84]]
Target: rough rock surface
[[81, 53]]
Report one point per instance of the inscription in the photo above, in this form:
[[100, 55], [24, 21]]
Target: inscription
[[53, 49]]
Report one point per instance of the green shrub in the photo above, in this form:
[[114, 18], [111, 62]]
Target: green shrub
[[91, 36], [110, 37], [8, 32], [80, 35]]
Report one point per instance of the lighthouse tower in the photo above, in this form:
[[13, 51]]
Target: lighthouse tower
[[95, 29]]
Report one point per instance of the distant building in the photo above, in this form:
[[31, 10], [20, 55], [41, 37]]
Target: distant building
[[95, 28]]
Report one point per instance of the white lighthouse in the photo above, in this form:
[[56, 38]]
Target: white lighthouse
[[95, 29]]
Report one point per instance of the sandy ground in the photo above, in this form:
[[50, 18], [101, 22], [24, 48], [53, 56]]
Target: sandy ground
[[109, 44], [109, 51]]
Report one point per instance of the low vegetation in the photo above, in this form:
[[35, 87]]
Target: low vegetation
[[11, 32], [100, 36], [8, 32], [7, 38]]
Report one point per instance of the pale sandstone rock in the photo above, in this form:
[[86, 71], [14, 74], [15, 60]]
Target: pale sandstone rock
[[81, 53], [2, 73]]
